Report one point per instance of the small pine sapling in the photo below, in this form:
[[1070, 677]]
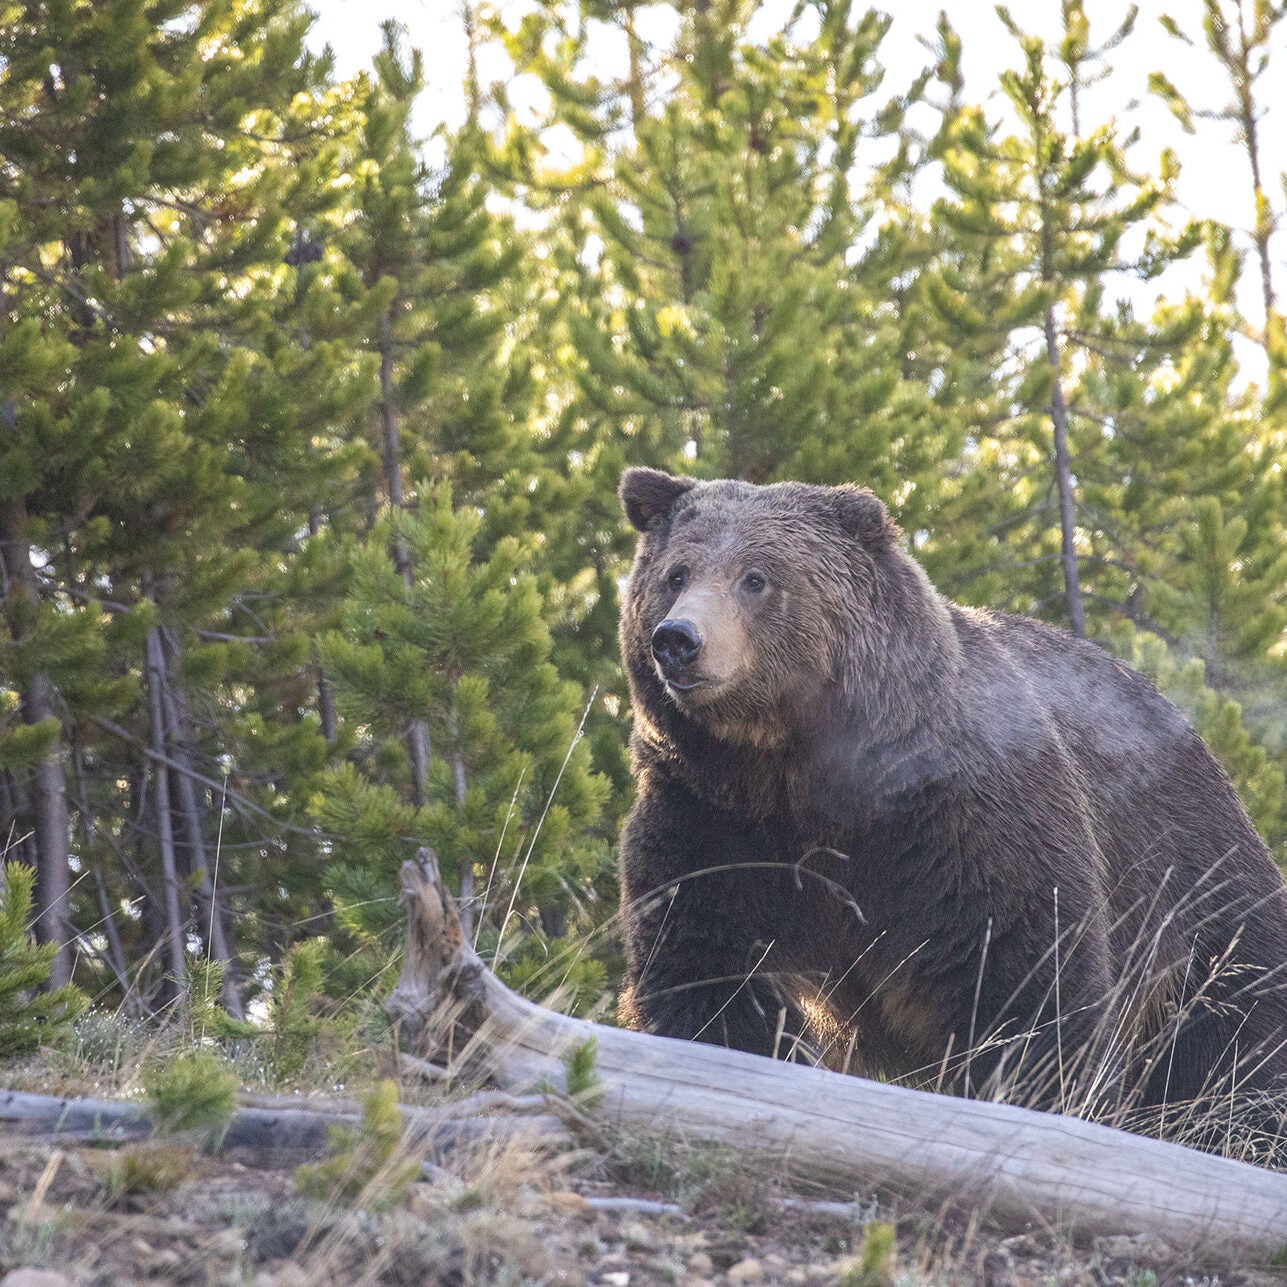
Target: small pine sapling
[[366, 1166], [29, 1018], [292, 1025], [190, 1100], [203, 1014], [196, 1092], [874, 1265], [581, 1067]]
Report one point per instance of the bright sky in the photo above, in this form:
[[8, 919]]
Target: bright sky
[[1214, 181]]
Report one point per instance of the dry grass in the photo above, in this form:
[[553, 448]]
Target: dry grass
[[1103, 1072]]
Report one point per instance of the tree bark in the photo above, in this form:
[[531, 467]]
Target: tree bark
[[16, 843], [326, 712], [1249, 127], [390, 446], [1011, 1165], [154, 657], [461, 784], [47, 781], [418, 751], [183, 741], [1063, 483], [50, 817]]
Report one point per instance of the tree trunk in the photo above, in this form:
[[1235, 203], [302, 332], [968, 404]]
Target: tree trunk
[[174, 920], [1063, 483], [418, 751], [390, 447], [16, 842], [466, 861], [325, 692], [47, 781], [1249, 127], [49, 814], [182, 749], [1012, 1165], [634, 83], [326, 706], [115, 953]]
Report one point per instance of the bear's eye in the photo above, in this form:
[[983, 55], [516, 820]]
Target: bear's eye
[[677, 579], [754, 582]]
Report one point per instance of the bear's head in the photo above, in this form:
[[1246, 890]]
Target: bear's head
[[750, 608]]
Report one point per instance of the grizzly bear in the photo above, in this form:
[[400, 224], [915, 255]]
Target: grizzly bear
[[920, 840]]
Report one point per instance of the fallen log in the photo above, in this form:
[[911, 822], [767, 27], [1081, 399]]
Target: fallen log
[[272, 1137], [1016, 1167]]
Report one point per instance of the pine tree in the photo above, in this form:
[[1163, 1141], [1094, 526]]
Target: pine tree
[[721, 314], [462, 646], [155, 158], [1240, 36], [1043, 218], [441, 674]]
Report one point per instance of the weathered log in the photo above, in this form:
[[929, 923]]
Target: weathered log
[[1015, 1166], [273, 1136]]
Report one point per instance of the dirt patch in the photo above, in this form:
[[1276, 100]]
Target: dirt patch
[[506, 1215]]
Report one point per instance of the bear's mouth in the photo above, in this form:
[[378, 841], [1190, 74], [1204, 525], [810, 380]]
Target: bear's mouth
[[686, 685], [691, 691]]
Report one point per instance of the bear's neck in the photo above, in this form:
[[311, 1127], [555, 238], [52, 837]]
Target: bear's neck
[[831, 768]]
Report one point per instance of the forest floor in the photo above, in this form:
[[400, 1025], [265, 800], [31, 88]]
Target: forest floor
[[511, 1213]]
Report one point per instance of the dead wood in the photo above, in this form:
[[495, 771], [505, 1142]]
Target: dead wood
[[268, 1136], [1016, 1167]]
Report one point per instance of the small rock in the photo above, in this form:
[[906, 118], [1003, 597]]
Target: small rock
[[1022, 1244], [228, 1242], [998, 1268], [30, 1277], [568, 1203], [746, 1271], [700, 1263], [638, 1237], [617, 1278], [796, 1277], [282, 1276], [840, 1269], [1139, 1247]]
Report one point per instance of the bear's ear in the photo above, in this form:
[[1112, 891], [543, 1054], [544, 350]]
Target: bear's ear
[[863, 515], [647, 494]]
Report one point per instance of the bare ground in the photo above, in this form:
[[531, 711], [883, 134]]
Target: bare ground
[[509, 1213]]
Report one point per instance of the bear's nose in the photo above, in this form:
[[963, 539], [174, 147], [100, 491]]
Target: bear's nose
[[675, 644]]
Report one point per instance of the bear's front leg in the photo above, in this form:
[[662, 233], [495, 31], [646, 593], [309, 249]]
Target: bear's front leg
[[1041, 1028], [698, 888]]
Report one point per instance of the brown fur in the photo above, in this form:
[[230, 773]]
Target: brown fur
[[981, 848]]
